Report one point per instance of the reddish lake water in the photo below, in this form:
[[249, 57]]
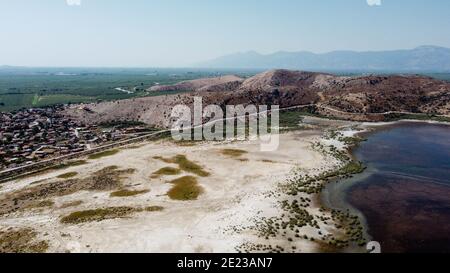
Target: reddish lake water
[[405, 194]]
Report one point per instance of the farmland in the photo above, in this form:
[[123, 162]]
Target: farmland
[[38, 87]]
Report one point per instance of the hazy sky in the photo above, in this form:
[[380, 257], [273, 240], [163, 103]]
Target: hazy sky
[[182, 32]]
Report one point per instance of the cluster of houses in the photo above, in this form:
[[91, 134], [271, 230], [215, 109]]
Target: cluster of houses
[[30, 135]]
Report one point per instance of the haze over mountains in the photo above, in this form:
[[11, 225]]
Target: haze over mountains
[[423, 58]]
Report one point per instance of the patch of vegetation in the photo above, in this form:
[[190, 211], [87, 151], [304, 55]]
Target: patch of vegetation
[[109, 168], [71, 204], [11, 102], [348, 141], [167, 171], [69, 164], [352, 167], [275, 226], [103, 154], [21, 241], [185, 165], [107, 179], [249, 247], [189, 166], [267, 161], [45, 203], [67, 175], [352, 141], [186, 143], [39, 205], [127, 193], [133, 147], [97, 215], [233, 152], [154, 209], [185, 188], [352, 227], [291, 120], [315, 184]]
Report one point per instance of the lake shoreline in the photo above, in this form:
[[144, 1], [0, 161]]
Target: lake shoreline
[[335, 195]]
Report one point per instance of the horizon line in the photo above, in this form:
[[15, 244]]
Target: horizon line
[[194, 65]]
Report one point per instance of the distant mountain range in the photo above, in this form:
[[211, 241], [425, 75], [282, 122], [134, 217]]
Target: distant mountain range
[[424, 58]]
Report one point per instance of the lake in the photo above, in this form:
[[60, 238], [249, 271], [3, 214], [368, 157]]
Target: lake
[[404, 196]]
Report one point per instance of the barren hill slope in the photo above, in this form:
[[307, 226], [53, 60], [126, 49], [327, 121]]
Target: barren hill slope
[[207, 84], [356, 98]]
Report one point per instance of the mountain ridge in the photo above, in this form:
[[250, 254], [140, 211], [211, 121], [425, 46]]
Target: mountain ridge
[[422, 58]]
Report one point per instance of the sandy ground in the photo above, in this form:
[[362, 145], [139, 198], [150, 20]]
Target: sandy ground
[[235, 195]]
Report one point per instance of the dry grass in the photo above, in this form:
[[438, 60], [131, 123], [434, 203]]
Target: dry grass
[[185, 165], [67, 175], [160, 158], [39, 205], [71, 204], [127, 193], [233, 152], [166, 171], [185, 188], [103, 154], [45, 204], [154, 209], [267, 161], [133, 147], [185, 143], [98, 215], [69, 164], [107, 179], [21, 241]]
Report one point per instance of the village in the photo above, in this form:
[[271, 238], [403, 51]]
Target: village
[[30, 135]]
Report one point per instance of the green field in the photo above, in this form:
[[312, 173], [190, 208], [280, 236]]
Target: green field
[[38, 87]]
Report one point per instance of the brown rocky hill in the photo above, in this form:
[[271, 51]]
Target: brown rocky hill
[[208, 84], [357, 98]]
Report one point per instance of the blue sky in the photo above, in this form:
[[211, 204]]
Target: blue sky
[[150, 33]]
